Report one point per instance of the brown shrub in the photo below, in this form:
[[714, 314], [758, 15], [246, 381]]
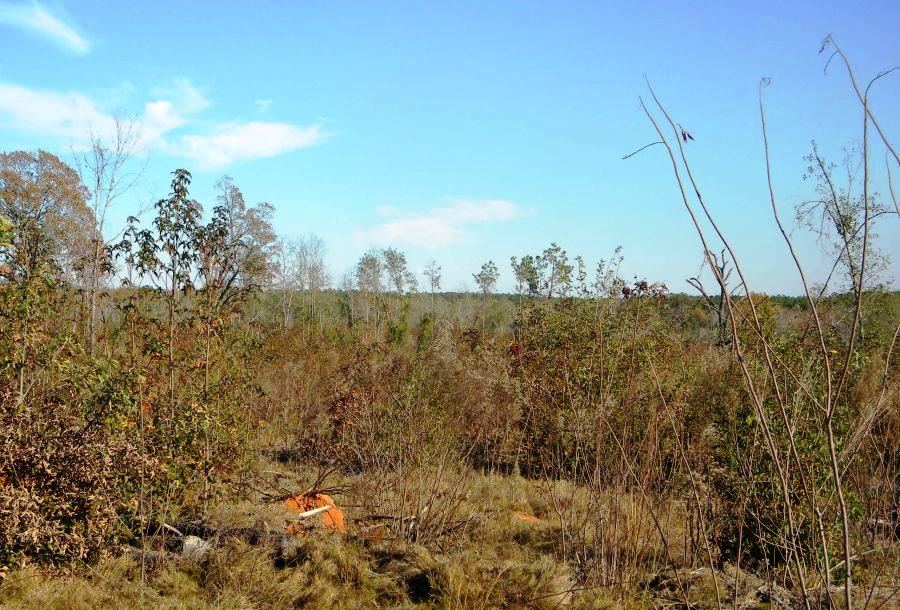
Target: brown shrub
[[67, 479]]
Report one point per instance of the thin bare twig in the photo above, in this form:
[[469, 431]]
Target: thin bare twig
[[641, 148]]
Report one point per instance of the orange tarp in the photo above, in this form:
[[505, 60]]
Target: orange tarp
[[333, 518]]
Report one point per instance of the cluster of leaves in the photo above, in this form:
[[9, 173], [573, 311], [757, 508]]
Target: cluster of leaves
[[44, 201]]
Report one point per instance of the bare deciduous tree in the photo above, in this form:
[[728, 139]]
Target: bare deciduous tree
[[793, 409], [236, 247], [312, 275], [105, 168], [369, 282], [717, 305], [433, 273], [286, 278]]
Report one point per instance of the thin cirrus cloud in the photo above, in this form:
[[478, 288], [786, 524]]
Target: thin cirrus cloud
[[69, 114], [74, 116], [235, 142], [440, 226], [33, 18], [164, 124]]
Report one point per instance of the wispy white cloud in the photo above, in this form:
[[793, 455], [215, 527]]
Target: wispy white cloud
[[184, 93], [263, 105], [34, 18], [234, 142], [166, 124], [177, 102], [74, 116], [440, 226], [70, 114], [159, 118]]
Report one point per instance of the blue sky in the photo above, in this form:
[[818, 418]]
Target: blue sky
[[463, 131]]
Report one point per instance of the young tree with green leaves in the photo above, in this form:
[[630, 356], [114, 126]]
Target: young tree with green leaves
[[527, 277], [554, 271], [167, 254], [486, 279]]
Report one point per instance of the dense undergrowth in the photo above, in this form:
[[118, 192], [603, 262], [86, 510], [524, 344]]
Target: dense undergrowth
[[626, 435]]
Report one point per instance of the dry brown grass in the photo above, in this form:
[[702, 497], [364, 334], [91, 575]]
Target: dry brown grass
[[501, 561]]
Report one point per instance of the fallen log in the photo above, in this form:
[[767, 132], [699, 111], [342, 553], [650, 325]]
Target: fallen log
[[148, 556]]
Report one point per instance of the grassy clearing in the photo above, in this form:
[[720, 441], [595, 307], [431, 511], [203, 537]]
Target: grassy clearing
[[520, 548], [502, 561]]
